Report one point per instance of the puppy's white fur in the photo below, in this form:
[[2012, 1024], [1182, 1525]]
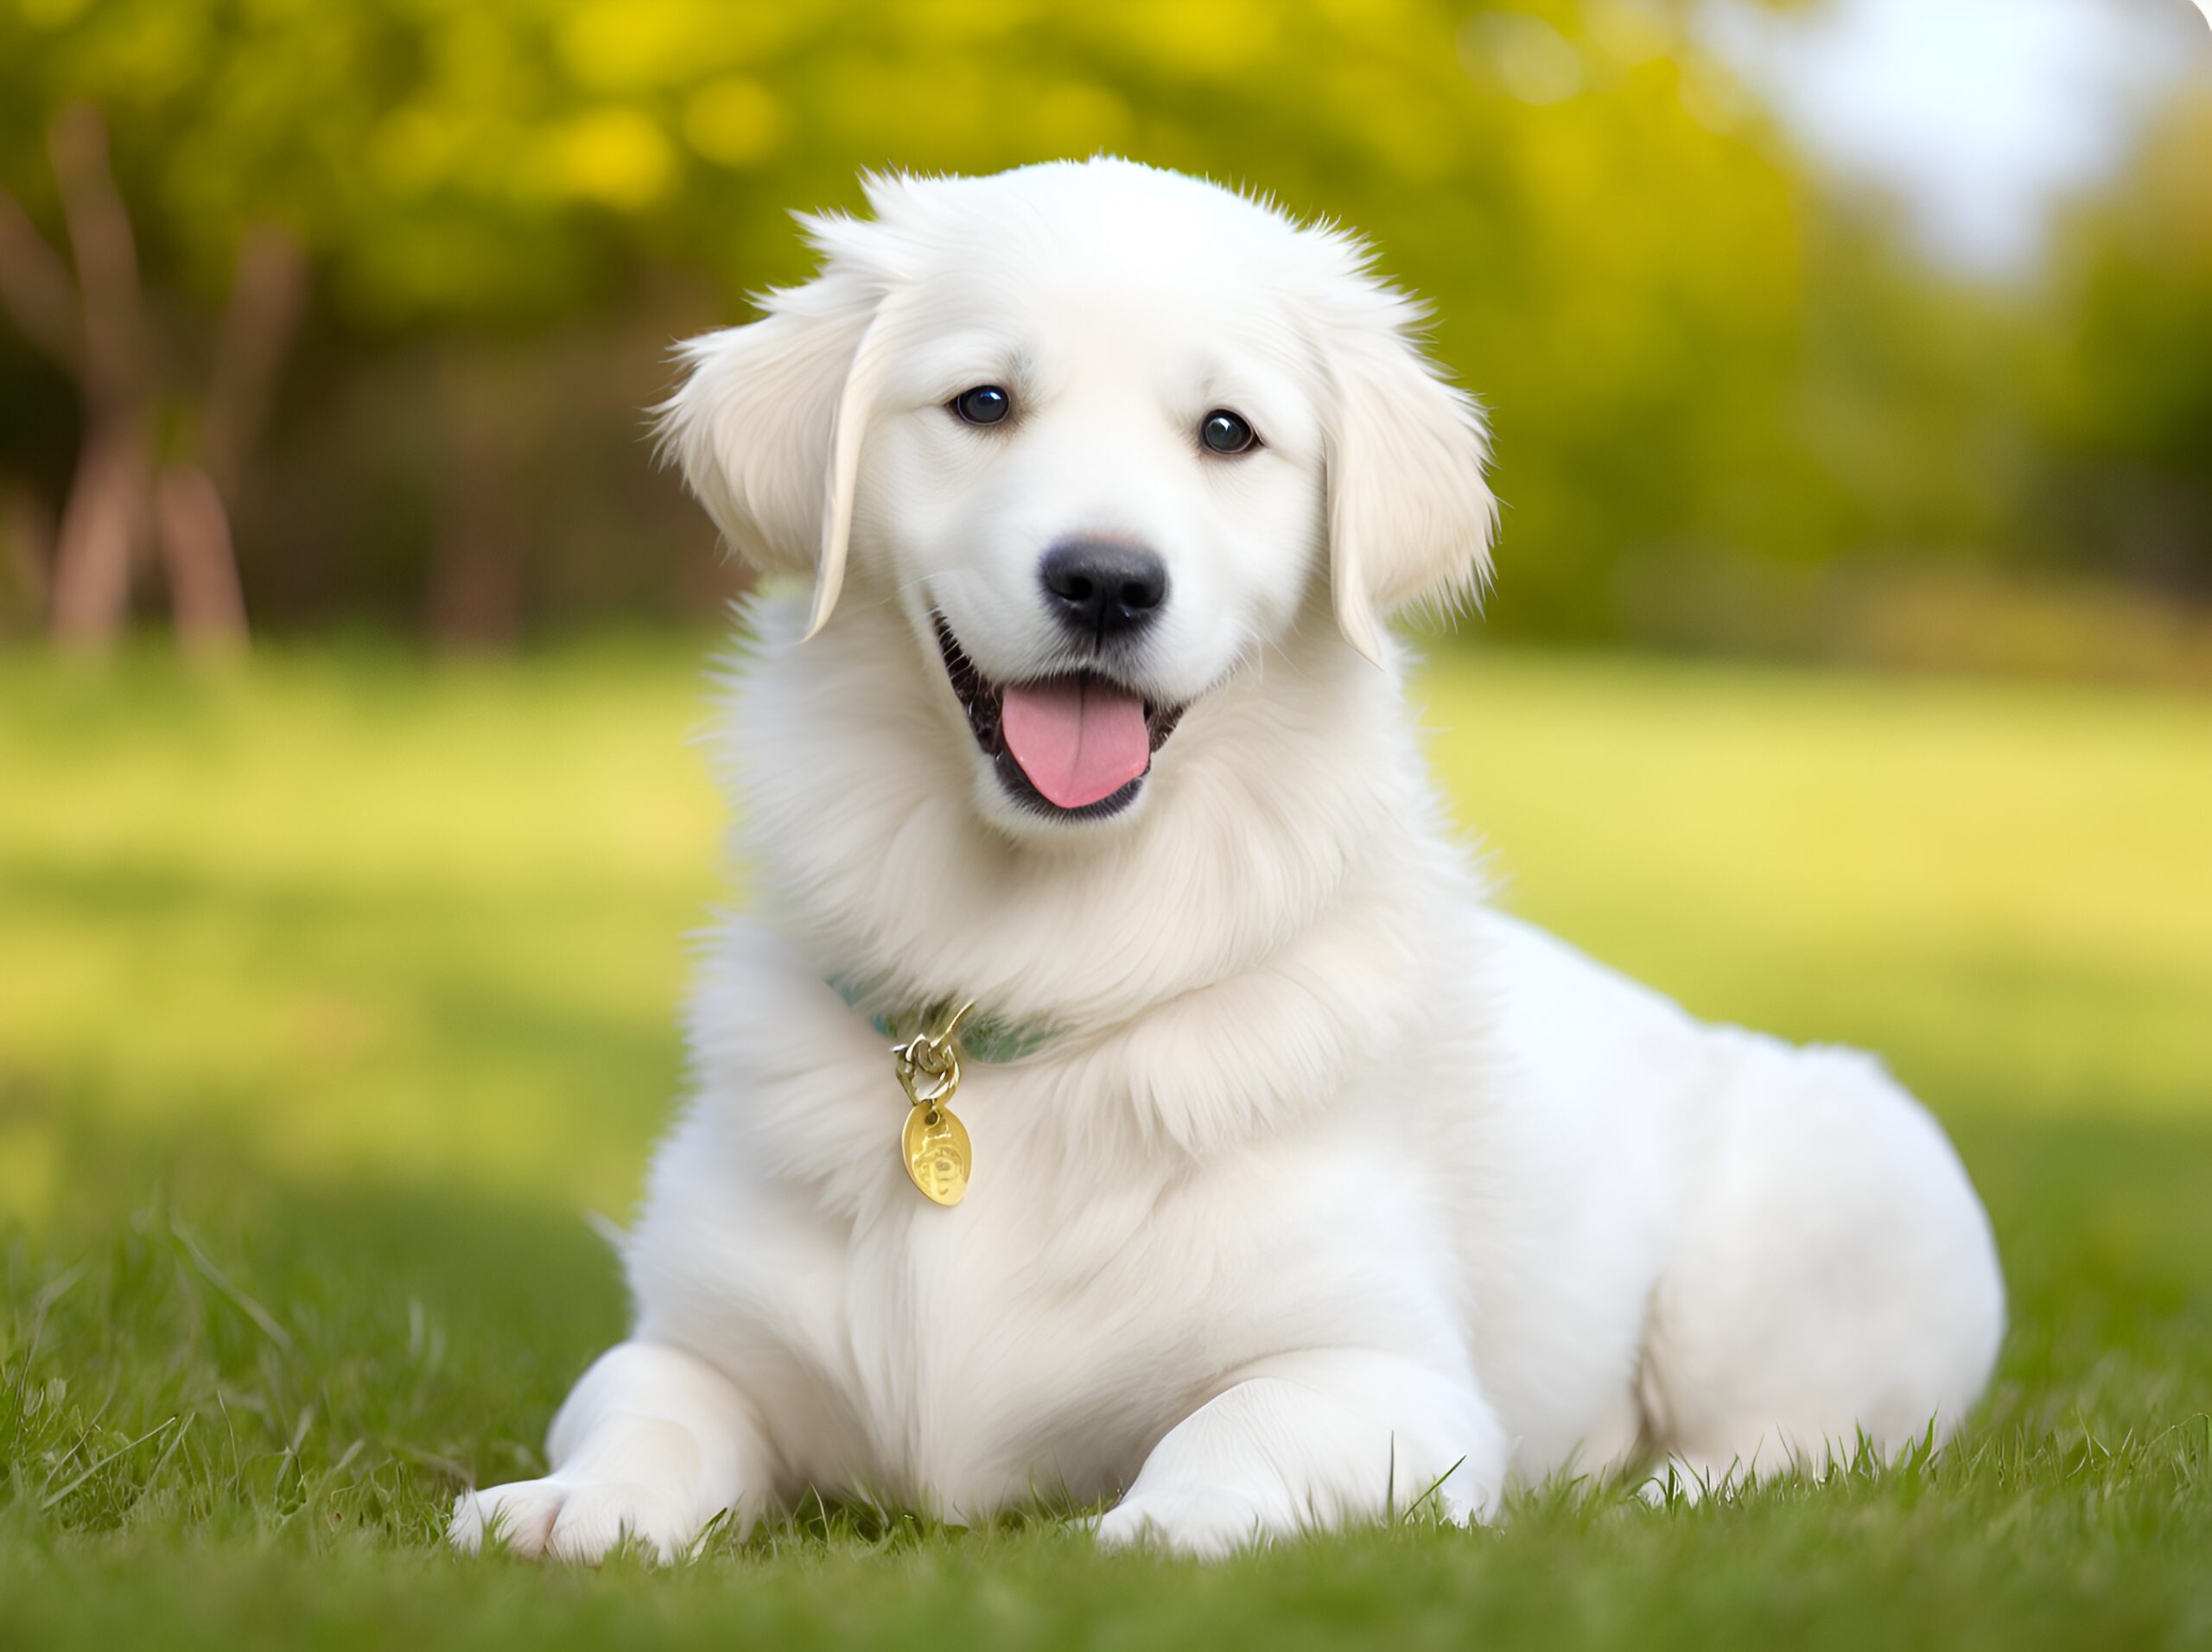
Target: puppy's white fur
[[1337, 1189]]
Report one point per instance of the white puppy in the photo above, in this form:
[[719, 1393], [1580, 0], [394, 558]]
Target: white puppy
[[1300, 1187]]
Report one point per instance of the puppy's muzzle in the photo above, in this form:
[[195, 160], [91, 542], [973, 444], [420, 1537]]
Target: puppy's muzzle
[[1103, 591]]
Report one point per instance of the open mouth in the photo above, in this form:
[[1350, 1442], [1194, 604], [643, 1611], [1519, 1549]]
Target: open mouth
[[1075, 746]]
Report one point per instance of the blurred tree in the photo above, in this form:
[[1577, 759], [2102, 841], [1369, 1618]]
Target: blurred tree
[[1696, 363], [2126, 409], [92, 326]]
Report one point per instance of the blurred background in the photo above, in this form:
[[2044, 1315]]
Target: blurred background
[[1876, 330]]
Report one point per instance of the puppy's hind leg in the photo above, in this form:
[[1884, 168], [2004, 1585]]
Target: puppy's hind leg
[[1834, 1273], [652, 1444]]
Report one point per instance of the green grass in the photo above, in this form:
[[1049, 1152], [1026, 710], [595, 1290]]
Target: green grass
[[337, 994]]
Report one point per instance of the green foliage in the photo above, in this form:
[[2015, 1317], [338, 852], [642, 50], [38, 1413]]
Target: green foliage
[[2129, 403], [1710, 380], [479, 164], [333, 992], [1627, 262]]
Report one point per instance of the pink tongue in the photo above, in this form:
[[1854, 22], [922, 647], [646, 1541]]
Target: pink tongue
[[1078, 740]]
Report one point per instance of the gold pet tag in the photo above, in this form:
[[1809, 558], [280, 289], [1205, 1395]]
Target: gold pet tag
[[937, 1154], [934, 1142]]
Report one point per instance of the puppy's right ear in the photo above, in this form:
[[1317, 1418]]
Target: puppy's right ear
[[767, 427]]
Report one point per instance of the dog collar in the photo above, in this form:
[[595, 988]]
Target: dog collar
[[934, 1144], [989, 1040]]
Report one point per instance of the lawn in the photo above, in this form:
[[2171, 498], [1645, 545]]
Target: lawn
[[336, 1011]]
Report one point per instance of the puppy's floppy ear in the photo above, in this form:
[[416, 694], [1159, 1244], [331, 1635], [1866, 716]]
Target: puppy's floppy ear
[[768, 422], [1410, 518]]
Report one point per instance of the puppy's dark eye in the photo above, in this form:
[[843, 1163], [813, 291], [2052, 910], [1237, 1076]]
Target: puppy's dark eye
[[985, 404], [1224, 431]]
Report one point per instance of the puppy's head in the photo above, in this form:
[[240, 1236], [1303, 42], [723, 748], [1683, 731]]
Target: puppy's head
[[1097, 431]]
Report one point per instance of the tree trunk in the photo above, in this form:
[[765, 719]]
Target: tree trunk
[[102, 524], [206, 602], [476, 575]]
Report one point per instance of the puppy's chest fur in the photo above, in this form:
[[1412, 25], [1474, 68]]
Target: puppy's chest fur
[[1041, 1336]]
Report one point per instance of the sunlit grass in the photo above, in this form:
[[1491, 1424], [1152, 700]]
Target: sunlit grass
[[2007, 888], [335, 993], [374, 915]]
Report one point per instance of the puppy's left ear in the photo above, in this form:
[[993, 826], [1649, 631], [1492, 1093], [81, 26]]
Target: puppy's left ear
[[768, 422], [1411, 518]]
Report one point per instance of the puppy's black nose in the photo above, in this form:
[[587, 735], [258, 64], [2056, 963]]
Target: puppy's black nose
[[1101, 589]]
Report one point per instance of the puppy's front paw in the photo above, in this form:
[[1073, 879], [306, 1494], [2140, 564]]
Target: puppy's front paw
[[1205, 1521], [574, 1520]]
